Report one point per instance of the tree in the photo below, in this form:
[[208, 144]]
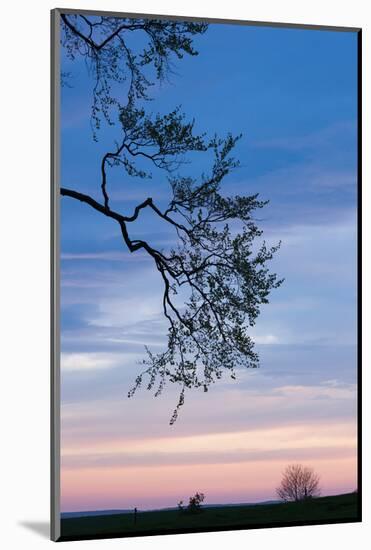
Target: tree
[[216, 278], [194, 505], [298, 483]]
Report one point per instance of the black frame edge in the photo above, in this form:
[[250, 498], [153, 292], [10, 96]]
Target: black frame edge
[[55, 520], [245, 22], [359, 271]]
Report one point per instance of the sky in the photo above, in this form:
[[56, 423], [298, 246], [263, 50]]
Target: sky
[[292, 95]]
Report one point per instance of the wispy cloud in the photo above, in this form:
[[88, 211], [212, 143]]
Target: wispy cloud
[[330, 137], [266, 398], [72, 362], [113, 256], [158, 458], [303, 179], [324, 391]]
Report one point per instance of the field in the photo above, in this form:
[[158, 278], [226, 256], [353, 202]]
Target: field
[[325, 509]]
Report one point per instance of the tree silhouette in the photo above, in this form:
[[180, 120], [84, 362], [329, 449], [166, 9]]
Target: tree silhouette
[[298, 483], [194, 504], [214, 280]]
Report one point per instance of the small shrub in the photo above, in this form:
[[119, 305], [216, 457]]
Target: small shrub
[[194, 505]]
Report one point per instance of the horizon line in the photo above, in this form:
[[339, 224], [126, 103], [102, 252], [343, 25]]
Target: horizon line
[[128, 510]]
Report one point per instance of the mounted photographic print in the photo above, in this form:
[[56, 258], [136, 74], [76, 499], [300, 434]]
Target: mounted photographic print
[[205, 252]]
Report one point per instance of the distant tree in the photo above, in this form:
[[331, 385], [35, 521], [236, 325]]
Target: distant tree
[[215, 278], [298, 483], [194, 505]]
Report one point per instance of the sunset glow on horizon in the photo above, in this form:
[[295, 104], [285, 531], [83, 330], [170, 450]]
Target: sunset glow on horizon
[[231, 468]]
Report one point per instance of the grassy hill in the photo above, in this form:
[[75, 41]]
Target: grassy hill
[[340, 508]]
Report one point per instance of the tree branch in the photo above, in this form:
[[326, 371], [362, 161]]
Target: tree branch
[[91, 42]]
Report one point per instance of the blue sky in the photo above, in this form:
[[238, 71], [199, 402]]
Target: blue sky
[[292, 94]]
